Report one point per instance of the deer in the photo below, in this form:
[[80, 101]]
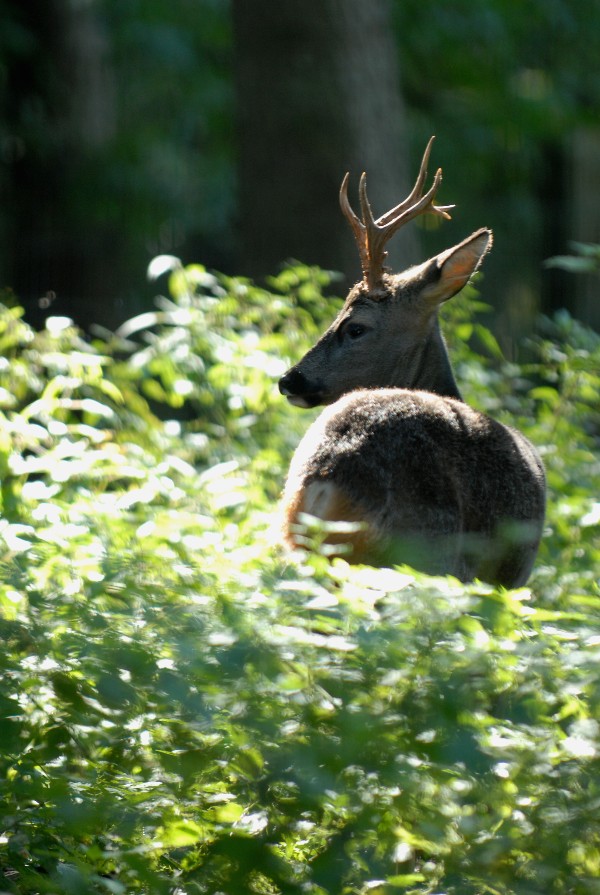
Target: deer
[[398, 468]]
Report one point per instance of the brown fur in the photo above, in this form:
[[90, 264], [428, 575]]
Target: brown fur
[[326, 501], [421, 471]]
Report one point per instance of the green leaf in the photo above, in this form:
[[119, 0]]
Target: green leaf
[[179, 834]]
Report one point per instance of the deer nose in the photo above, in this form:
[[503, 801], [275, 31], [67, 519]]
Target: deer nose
[[293, 383]]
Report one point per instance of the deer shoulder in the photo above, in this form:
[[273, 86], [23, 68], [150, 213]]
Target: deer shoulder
[[424, 478]]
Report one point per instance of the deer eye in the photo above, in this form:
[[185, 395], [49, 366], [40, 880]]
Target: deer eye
[[355, 331]]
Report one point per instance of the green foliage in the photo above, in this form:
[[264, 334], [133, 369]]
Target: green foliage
[[185, 709], [506, 89], [585, 260]]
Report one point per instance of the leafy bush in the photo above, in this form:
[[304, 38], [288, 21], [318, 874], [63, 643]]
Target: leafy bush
[[186, 709]]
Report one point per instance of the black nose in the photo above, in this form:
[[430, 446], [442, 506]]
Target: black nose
[[294, 383]]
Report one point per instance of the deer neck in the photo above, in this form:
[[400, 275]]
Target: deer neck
[[429, 368]]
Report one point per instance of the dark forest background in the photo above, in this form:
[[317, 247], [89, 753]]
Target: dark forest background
[[219, 132]]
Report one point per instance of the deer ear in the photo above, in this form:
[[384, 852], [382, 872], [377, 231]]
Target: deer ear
[[452, 269]]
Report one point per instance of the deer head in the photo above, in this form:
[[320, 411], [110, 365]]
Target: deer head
[[387, 333]]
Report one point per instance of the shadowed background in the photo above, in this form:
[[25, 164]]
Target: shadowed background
[[220, 132]]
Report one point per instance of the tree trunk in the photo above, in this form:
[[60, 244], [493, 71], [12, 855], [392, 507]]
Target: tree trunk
[[585, 218], [61, 114], [317, 95]]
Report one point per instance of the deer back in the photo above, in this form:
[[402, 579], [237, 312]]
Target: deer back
[[431, 482]]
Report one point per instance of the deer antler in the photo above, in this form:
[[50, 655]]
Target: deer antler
[[372, 235]]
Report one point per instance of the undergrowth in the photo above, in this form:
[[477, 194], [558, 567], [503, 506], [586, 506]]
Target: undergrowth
[[187, 709]]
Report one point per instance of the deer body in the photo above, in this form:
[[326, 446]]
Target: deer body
[[431, 481]]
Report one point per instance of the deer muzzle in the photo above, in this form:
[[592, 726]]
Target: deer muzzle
[[299, 390]]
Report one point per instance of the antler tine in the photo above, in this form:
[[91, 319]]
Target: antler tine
[[417, 190], [365, 206], [424, 205], [358, 228]]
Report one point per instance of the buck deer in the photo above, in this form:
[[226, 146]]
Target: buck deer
[[432, 482]]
